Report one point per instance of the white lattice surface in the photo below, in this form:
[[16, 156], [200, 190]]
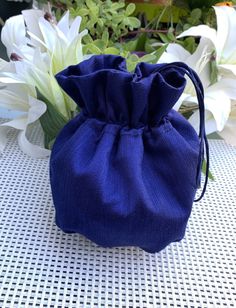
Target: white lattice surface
[[40, 266]]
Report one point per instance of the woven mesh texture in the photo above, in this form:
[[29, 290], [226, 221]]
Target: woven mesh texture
[[40, 266]]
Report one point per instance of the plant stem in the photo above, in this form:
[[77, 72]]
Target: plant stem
[[144, 31]]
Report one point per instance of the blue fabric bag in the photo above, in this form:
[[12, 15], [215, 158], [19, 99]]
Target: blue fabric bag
[[125, 171]]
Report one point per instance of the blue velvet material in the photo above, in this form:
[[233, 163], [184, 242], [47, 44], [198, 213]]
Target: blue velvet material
[[124, 172]]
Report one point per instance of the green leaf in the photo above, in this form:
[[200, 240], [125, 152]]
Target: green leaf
[[116, 6], [211, 176], [170, 35], [155, 11], [148, 58], [131, 62], [83, 12], [87, 39], [134, 58], [189, 43], [164, 38], [133, 22], [100, 44], [105, 37], [131, 65], [150, 45], [196, 14], [111, 51], [141, 42], [90, 26], [130, 45], [117, 19], [52, 121], [160, 51], [101, 24], [90, 4], [187, 26], [130, 9], [94, 12], [91, 49]]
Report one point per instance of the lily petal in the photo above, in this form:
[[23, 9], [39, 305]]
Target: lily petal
[[74, 28], [37, 108], [10, 80], [43, 81], [226, 27], [74, 53], [184, 97], [18, 123], [39, 41], [48, 33], [12, 101], [228, 133], [174, 53], [199, 60], [13, 33], [227, 70], [63, 23], [201, 30], [30, 149], [227, 85], [31, 18], [217, 113], [210, 122]]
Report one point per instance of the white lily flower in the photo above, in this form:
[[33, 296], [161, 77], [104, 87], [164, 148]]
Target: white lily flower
[[38, 48], [20, 105], [229, 131], [51, 48], [217, 96], [27, 110], [61, 40], [36, 74], [223, 39]]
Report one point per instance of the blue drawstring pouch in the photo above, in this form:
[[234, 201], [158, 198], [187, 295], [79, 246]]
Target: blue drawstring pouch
[[125, 171]]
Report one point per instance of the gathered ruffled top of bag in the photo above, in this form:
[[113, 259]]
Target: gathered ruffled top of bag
[[104, 89]]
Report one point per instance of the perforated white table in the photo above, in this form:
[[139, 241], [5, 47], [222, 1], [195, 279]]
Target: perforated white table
[[40, 266]]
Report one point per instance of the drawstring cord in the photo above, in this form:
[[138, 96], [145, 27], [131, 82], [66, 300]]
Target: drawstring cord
[[204, 147]]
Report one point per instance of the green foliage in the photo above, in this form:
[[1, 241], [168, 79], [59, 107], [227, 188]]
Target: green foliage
[[188, 43], [51, 121], [100, 16], [201, 3], [132, 59], [126, 50], [111, 24], [210, 174], [197, 17], [167, 12]]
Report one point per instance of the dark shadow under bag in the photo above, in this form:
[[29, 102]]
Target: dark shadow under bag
[[125, 171]]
